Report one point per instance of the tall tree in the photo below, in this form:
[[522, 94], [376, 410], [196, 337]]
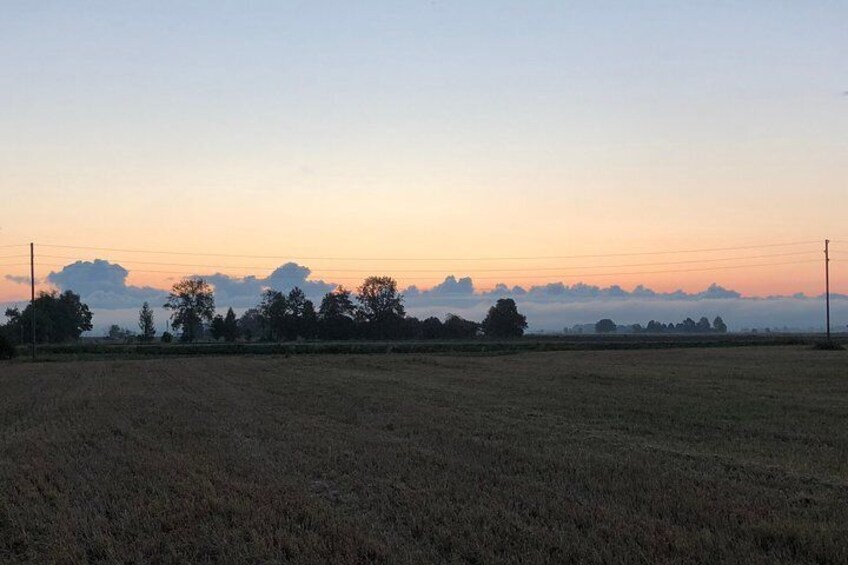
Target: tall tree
[[231, 327], [193, 304], [251, 324], [58, 318], [719, 325], [145, 323], [273, 311], [504, 320], [380, 306], [217, 327], [336, 315]]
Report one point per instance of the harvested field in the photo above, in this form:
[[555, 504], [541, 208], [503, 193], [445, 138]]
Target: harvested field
[[679, 455]]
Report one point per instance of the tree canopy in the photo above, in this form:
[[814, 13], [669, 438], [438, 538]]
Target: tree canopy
[[193, 304], [59, 318], [504, 320]]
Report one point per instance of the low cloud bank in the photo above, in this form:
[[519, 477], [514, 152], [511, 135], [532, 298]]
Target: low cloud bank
[[550, 307]]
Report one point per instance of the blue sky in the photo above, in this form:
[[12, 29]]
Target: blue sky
[[339, 128]]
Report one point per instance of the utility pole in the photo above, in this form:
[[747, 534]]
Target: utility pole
[[32, 296], [827, 284]]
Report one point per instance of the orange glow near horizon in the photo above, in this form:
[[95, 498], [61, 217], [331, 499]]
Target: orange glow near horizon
[[691, 272]]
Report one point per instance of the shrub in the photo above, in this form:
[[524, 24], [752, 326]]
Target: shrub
[[7, 350], [167, 337], [828, 346]]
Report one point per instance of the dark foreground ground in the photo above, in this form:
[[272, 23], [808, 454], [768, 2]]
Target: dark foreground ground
[[686, 455]]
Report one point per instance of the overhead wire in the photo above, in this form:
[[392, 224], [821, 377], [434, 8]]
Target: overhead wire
[[575, 275], [504, 258], [123, 262]]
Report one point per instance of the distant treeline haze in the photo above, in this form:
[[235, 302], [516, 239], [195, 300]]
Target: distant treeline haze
[[376, 311]]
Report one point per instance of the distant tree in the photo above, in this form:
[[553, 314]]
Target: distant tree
[[307, 325], [217, 327], [14, 328], [431, 328], [7, 348], [167, 337], [250, 324], [504, 320], [288, 317], [193, 304], [410, 328], [719, 325], [605, 326], [456, 327], [336, 315], [118, 333], [689, 326], [703, 325], [380, 307], [300, 316], [145, 323], [59, 318], [273, 311], [637, 328], [231, 327]]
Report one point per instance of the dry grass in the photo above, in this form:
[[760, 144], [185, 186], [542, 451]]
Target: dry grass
[[719, 455]]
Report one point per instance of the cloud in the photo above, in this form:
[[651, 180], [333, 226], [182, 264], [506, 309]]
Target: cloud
[[245, 291], [17, 279], [103, 285]]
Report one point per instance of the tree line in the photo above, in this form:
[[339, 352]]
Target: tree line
[[376, 311], [686, 326]]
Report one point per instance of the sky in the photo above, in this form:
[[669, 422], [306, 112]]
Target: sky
[[418, 138]]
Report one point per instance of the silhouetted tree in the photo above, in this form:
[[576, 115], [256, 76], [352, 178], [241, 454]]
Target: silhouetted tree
[[605, 326], [336, 315], [231, 326], [380, 307], [250, 324], [288, 317], [504, 320], [145, 323], [193, 304], [703, 325], [58, 318], [7, 348], [118, 333], [217, 327], [273, 310], [719, 325], [456, 327], [655, 327], [431, 328], [167, 337], [300, 317]]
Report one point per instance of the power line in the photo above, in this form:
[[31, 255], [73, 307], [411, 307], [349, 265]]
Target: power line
[[538, 257], [575, 275], [328, 272]]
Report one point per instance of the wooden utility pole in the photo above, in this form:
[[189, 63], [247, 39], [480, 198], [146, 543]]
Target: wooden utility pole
[[32, 296], [827, 285]]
